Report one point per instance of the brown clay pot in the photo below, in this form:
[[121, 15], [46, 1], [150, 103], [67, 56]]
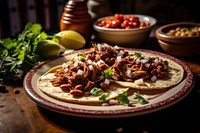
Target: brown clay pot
[[76, 17]]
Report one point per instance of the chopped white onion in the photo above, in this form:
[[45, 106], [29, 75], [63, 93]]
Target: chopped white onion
[[80, 62], [64, 65], [99, 47], [144, 61], [66, 69], [97, 56], [76, 63], [119, 58], [145, 57], [107, 81], [156, 60], [147, 65], [94, 63], [138, 60], [76, 57], [128, 71], [80, 72], [89, 61], [112, 102], [139, 81], [154, 78], [100, 62], [121, 52], [104, 45], [90, 67], [116, 47]]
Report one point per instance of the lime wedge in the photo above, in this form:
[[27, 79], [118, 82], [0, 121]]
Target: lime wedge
[[48, 49]]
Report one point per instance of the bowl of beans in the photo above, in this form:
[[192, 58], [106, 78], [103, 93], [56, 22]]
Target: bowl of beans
[[180, 39], [127, 30]]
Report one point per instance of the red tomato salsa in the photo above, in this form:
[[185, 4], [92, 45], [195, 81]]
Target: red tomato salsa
[[120, 21]]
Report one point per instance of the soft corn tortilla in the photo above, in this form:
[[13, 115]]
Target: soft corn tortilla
[[176, 74], [46, 86]]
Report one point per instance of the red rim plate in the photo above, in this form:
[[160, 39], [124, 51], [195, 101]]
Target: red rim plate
[[163, 100]]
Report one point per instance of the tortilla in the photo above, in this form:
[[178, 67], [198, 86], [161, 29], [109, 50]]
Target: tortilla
[[46, 86]]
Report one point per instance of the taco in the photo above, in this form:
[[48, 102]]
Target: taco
[[146, 72], [82, 78], [104, 72]]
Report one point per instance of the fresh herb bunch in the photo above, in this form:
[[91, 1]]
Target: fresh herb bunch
[[18, 55]]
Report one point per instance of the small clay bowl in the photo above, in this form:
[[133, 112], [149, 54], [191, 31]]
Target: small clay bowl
[[134, 37], [183, 46]]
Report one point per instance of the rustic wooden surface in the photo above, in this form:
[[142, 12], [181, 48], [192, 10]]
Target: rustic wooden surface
[[19, 114]]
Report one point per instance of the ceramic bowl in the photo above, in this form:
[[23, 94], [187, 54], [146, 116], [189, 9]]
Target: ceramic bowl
[[179, 44], [134, 37]]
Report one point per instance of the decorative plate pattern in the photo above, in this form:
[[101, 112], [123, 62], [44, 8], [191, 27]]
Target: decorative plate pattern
[[157, 102]]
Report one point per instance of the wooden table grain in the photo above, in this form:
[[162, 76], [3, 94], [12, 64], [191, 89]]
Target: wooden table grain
[[19, 114]]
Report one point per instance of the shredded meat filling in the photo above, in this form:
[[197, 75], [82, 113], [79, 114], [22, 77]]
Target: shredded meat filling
[[86, 70], [130, 69]]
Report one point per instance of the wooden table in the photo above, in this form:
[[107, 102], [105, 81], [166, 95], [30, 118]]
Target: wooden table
[[19, 114]]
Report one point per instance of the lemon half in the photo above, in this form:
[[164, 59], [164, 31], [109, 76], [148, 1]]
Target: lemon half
[[71, 39]]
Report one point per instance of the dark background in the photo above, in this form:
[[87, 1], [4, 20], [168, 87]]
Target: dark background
[[14, 14]]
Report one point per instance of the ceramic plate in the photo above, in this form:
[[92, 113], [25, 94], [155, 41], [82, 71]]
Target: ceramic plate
[[157, 101]]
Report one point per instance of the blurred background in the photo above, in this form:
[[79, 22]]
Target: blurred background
[[14, 14]]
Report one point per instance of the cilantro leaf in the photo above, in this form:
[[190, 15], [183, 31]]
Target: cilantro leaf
[[140, 99], [35, 28], [108, 73], [18, 55], [103, 97], [96, 91], [122, 98], [8, 43], [137, 54], [81, 56]]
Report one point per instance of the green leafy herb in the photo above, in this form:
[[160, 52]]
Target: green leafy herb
[[96, 91], [122, 98], [103, 97], [17, 55], [140, 99], [108, 73], [166, 63], [137, 54], [81, 56], [8, 43]]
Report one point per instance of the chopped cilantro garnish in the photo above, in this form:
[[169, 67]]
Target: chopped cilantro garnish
[[140, 99], [166, 63], [96, 91], [81, 56], [137, 54], [122, 98], [103, 97], [108, 73]]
